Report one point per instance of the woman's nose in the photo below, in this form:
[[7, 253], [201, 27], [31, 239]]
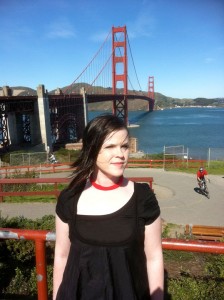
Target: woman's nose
[[120, 151]]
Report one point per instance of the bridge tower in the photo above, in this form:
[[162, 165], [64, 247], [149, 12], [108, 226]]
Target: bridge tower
[[119, 63], [151, 93]]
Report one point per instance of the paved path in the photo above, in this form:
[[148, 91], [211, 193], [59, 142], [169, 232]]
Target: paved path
[[179, 202]]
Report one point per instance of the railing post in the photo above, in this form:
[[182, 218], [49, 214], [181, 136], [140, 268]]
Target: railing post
[[55, 186], [1, 197], [41, 269]]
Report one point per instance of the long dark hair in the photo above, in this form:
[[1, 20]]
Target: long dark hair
[[94, 136]]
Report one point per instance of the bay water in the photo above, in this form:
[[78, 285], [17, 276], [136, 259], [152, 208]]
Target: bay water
[[196, 128]]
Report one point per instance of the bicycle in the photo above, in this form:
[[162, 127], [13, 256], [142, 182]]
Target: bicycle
[[204, 188]]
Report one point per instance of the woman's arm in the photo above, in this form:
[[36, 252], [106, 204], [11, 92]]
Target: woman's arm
[[154, 258], [62, 247]]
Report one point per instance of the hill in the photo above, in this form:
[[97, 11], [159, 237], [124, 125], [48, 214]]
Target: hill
[[161, 101]]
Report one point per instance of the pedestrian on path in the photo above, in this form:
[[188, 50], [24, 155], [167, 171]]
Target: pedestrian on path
[[108, 228]]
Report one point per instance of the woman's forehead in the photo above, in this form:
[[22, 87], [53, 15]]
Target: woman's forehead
[[118, 136]]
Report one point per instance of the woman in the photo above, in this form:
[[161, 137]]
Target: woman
[[108, 229]]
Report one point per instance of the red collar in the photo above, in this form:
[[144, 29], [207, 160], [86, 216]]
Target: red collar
[[107, 188]]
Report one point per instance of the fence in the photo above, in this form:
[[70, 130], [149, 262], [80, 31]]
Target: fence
[[38, 170], [208, 157], [214, 155], [18, 159], [24, 190], [8, 171], [41, 236], [21, 187], [169, 152]]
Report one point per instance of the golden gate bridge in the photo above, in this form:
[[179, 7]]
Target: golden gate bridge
[[59, 117]]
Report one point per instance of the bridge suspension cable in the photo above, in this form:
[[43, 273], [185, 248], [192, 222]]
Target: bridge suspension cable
[[90, 67], [96, 77], [133, 64]]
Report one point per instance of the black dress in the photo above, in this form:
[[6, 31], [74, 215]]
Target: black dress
[[106, 259]]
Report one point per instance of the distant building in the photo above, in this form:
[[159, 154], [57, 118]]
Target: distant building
[[73, 146], [133, 145]]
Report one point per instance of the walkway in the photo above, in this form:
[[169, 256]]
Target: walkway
[[179, 202]]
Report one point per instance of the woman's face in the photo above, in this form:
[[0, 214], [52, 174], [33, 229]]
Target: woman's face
[[113, 155]]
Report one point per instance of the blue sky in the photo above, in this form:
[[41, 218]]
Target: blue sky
[[179, 42]]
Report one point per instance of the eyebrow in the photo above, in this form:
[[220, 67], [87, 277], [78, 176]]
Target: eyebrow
[[112, 144]]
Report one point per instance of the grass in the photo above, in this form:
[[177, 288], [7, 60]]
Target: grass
[[211, 171], [30, 199], [37, 198], [214, 168]]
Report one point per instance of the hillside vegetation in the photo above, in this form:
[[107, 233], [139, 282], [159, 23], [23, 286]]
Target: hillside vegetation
[[161, 101]]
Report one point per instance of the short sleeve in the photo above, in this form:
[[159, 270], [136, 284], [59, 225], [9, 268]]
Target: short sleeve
[[65, 205], [148, 207]]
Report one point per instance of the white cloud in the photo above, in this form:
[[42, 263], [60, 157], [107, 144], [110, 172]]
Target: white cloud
[[143, 25], [61, 29]]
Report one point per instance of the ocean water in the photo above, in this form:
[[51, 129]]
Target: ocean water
[[195, 128]]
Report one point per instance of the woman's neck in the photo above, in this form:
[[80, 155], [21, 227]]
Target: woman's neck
[[106, 188]]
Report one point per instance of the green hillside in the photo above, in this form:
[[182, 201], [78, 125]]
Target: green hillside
[[161, 101]]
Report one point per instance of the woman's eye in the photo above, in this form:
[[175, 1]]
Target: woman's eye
[[125, 146]]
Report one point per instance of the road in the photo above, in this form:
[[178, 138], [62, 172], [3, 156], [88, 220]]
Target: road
[[179, 201]]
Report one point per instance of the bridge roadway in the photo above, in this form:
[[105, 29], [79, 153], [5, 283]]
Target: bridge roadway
[[176, 192]]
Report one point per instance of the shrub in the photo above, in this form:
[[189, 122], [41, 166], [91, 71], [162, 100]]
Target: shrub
[[17, 258], [18, 271]]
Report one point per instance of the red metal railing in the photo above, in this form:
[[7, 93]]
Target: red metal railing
[[53, 181], [66, 166], [44, 168], [41, 236], [12, 181]]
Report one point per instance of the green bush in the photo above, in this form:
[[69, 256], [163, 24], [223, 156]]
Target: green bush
[[64, 155], [215, 266], [188, 288], [45, 223], [18, 271], [17, 258]]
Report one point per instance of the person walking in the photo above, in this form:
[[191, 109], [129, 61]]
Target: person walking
[[52, 158], [108, 228]]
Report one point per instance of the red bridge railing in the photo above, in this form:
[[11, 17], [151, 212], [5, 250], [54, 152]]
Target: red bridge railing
[[40, 237]]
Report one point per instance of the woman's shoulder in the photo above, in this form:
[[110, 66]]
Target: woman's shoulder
[[142, 187], [65, 204], [66, 193], [147, 204]]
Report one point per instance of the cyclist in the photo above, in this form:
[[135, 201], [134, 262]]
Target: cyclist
[[202, 175]]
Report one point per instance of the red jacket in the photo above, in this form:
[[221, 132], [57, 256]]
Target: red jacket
[[201, 174]]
